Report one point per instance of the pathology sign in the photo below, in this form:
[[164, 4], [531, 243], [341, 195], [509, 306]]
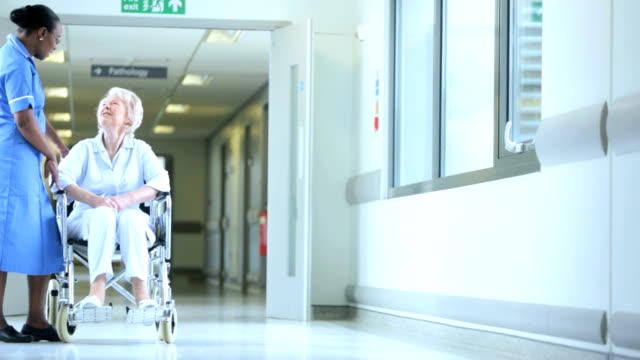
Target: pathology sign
[[154, 6], [137, 72]]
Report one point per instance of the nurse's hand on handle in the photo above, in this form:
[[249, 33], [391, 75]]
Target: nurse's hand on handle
[[51, 168], [30, 130]]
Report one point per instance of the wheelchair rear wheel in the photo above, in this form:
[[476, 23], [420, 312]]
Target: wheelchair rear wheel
[[53, 292], [65, 331]]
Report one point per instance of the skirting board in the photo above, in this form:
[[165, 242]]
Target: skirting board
[[433, 335], [558, 321], [332, 313]]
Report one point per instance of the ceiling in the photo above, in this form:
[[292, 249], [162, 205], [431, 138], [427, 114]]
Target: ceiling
[[238, 70]]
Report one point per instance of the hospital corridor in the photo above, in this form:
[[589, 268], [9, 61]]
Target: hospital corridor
[[338, 179]]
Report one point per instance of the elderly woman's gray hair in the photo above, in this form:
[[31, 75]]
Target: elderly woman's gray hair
[[133, 106]]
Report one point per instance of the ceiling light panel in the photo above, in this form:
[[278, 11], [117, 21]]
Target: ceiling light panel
[[177, 108], [164, 129], [61, 117], [223, 36], [64, 133], [197, 80], [56, 92], [56, 57]]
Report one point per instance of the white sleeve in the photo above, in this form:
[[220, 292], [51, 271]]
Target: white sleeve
[[154, 174], [71, 168]]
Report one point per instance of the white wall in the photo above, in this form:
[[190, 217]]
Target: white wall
[[625, 168], [370, 62], [540, 238]]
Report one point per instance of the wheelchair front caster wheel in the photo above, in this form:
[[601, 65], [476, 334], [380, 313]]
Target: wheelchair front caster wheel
[[168, 328], [53, 291], [65, 331]]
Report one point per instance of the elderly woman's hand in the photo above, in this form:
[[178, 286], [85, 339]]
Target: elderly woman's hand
[[98, 201], [122, 201]]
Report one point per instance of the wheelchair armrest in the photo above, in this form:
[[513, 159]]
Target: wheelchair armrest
[[62, 203], [58, 194], [160, 206], [162, 195], [160, 218]]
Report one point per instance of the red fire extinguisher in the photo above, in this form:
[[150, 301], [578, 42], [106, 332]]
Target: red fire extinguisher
[[263, 232]]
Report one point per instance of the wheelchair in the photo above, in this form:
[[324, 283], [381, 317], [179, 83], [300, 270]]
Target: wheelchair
[[61, 308]]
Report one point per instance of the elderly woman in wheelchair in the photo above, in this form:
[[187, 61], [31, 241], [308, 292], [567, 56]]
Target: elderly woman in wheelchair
[[108, 177]]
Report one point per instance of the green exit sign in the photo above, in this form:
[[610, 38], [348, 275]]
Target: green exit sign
[[154, 6], [536, 11]]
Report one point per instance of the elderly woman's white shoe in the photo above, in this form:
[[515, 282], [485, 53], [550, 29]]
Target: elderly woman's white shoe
[[146, 312], [89, 302], [147, 303]]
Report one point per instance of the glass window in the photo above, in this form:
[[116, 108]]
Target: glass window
[[415, 102], [462, 69], [469, 75], [526, 68]]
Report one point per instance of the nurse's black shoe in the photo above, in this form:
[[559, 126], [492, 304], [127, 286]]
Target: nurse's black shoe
[[49, 333], [11, 335]]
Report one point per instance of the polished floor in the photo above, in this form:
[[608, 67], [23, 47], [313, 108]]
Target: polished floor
[[225, 325]]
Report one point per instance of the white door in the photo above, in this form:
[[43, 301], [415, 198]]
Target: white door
[[288, 172]]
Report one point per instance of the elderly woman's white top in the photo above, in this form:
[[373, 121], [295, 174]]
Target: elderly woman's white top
[[89, 167]]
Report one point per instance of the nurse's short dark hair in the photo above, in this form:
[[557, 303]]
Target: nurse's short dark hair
[[32, 17]]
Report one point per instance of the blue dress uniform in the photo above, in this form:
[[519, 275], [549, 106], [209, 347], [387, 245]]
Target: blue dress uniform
[[29, 238]]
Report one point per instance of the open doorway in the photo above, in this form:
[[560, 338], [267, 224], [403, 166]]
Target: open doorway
[[188, 140], [190, 86]]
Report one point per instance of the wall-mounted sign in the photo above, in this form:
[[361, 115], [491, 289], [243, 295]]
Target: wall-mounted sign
[[137, 72], [154, 6], [376, 116]]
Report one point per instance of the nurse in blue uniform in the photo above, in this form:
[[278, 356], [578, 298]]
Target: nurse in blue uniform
[[29, 239]]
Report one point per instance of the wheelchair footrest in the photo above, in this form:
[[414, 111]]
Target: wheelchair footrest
[[101, 313], [146, 316]]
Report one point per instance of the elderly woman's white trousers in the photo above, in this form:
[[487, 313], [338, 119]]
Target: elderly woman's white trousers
[[103, 228]]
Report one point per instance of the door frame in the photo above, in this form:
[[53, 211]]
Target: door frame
[[199, 23]]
